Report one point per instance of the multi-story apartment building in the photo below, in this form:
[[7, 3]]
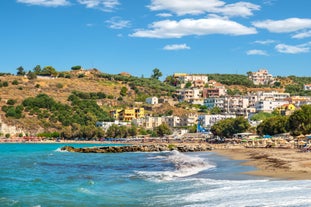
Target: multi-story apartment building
[[213, 92], [262, 77], [214, 102], [269, 105], [276, 96], [172, 121], [188, 94], [151, 122], [188, 120], [236, 105], [207, 121], [197, 80], [299, 100], [128, 114]]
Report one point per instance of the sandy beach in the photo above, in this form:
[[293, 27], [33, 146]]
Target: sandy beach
[[273, 162]]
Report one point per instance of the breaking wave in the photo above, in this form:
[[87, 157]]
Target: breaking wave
[[183, 166]]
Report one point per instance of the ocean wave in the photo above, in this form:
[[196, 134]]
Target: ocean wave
[[183, 166], [60, 150]]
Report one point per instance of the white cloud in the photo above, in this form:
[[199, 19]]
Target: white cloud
[[256, 52], [186, 27], [164, 15], [264, 42], [290, 49], [284, 26], [118, 23], [195, 7], [302, 35], [104, 5], [176, 47], [48, 3]]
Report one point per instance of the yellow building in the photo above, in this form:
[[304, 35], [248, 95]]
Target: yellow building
[[128, 114], [287, 109]]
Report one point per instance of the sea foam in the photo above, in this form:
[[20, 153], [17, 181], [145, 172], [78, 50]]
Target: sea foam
[[183, 166]]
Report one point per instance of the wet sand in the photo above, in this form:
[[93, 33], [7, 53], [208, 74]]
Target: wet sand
[[289, 164]]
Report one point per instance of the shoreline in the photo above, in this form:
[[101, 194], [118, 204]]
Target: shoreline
[[287, 164]]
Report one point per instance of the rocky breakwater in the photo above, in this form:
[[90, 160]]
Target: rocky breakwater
[[141, 148]]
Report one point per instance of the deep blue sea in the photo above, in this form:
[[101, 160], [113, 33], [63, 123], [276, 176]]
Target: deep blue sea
[[39, 175]]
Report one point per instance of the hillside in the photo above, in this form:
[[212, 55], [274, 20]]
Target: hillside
[[80, 97]]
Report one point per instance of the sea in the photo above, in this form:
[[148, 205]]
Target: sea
[[42, 175]]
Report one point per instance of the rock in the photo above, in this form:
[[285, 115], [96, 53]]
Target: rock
[[139, 148]]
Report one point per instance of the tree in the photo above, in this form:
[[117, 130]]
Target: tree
[[37, 69], [229, 127], [31, 75], [20, 71], [273, 125], [300, 121], [162, 130], [188, 84], [48, 71], [216, 110], [123, 91], [156, 73], [77, 67], [132, 131]]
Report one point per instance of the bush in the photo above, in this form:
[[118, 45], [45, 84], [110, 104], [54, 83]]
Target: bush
[[11, 102], [77, 67], [15, 82]]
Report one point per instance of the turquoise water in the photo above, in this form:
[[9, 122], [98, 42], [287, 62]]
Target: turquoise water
[[39, 175]]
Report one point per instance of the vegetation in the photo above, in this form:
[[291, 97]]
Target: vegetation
[[229, 127], [231, 79], [298, 123], [77, 67], [273, 125], [156, 74]]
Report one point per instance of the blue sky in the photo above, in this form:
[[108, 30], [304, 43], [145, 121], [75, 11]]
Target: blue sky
[[136, 36]]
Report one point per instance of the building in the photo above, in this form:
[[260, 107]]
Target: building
[[236, 105], [188, 94], [268, 105], [188, 120], [172, 121], [261, 77], [276, 96], [213, 92], [152, 100], [106, 125], [128, 114], [214, 102], [197, 80], [207, 121], [307, 87], [150, 122]]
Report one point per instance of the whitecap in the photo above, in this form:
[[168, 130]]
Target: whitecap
[[85, 191], [60, 150], [184, 166]]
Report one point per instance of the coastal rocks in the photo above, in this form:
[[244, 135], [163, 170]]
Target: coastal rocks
[[140, 148]]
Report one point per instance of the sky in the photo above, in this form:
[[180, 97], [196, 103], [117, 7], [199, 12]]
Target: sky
[[136, 36]]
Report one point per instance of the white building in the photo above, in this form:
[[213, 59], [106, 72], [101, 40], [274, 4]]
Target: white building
[[152, 100], [189, 94], [236, 105], [269, 105], [276, 96], [262, 77], [307, 87], [207, 121]]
